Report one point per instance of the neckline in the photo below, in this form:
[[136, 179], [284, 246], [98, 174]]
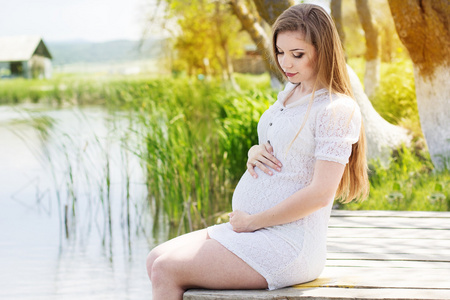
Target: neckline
[[290, 86]]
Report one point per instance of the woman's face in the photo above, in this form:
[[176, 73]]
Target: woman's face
[[296, 57]]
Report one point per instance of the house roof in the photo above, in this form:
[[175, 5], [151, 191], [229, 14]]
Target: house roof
[[21, 48]]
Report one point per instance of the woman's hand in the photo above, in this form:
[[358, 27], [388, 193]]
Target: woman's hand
[[261, 156], [242, 221]]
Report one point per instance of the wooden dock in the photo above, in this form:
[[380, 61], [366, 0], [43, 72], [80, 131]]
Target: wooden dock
[[372, 255]]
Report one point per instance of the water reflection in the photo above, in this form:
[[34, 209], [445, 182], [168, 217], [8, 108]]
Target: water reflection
[[74, 219]]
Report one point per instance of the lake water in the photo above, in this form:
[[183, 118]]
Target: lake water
[[48, 172]]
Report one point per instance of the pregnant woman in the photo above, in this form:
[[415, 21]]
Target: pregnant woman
[[311, 150]]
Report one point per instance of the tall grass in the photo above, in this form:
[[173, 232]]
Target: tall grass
[[192, 139], [408, 183], [196, 137]]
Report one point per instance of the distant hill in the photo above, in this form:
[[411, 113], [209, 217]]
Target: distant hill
[[79, 51]]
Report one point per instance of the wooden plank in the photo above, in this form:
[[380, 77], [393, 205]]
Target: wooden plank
[[366, 277], [389, 244], [388, 264], [337, 232], [373, 255], [387, 213], [319, 293], [356, 249], [380, 222], [388, 256]]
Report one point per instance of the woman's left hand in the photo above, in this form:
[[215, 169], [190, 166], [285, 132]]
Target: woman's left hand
[[242, 221]]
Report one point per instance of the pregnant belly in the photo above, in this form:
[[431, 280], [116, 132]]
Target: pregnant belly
[[256, 195]]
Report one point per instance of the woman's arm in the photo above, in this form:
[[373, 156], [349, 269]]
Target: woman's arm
[[304, 202]]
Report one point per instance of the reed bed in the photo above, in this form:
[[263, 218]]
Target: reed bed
[[192, 138], [195, 139]]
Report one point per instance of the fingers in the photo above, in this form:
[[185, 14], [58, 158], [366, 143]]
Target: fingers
[[262, 166], [251, 169], [261, 156], [268, 147], [269, 160], [270, 156]]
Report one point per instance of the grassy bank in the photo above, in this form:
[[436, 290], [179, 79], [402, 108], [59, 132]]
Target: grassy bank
[[193, 137]]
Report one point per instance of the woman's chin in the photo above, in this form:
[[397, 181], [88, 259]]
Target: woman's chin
[[293, 80]]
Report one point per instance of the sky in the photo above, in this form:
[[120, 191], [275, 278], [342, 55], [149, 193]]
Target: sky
[[62, 20], [90, 20]]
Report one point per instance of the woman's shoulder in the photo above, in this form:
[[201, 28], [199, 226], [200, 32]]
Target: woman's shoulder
[[335, 101], [336, 106]]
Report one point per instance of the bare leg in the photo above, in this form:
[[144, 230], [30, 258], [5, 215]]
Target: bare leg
[[200, 263], [173, 244]]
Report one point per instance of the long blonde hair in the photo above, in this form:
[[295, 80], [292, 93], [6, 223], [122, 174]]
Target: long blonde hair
[[319, 30]]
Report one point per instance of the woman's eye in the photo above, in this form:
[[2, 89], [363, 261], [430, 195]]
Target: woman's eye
[[279, 53], [299, 55]]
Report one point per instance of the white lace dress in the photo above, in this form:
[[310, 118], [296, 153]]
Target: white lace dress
[[295, 252]]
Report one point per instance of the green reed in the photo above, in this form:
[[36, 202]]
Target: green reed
[[192, 139], [195, 137]]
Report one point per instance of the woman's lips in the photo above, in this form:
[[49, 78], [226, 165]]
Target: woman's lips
[[290, 74]]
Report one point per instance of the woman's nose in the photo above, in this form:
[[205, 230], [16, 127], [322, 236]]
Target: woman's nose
[[285, 62]]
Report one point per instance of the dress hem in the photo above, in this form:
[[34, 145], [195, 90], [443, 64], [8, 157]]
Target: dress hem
[[248, 261]]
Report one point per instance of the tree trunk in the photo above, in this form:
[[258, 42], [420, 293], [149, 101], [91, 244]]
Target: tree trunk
[[381, 135], [260, 38], [336, 13], [225, 61], [423, 27], [269, 10], [372, 75]]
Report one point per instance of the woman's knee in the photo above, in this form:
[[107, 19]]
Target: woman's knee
[[151, 257], [162, 270]]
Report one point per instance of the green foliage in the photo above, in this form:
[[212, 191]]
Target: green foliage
[[391, 48], [209, 37], [193, 137], [408, 183], [194, 141], [395, 97], [66, 89]]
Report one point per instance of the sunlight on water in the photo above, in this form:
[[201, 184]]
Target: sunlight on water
[[97, 260]]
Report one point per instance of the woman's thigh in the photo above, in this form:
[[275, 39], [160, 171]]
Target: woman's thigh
[[178, 242], [207, 264], [181, 241]]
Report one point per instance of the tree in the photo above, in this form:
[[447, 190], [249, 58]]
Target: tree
[[270, 10], [249, 22], [382, 136], [199, 40], [372, 74], [336, 13], [423, 27], [207, 37]]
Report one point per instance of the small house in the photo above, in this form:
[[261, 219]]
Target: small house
[[25, 56], [252, 62]]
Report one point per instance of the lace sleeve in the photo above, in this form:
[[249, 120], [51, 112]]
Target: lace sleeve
[[337, 127]]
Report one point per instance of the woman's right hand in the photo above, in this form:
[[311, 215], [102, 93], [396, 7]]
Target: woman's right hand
[[261, 156]]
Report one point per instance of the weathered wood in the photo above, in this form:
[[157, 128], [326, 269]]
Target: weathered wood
[[369, 277], [388, 264], [390, 222], [387, 244], [389, 213], [320, 293], [373, 255], [376, 233], [388, 256]]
